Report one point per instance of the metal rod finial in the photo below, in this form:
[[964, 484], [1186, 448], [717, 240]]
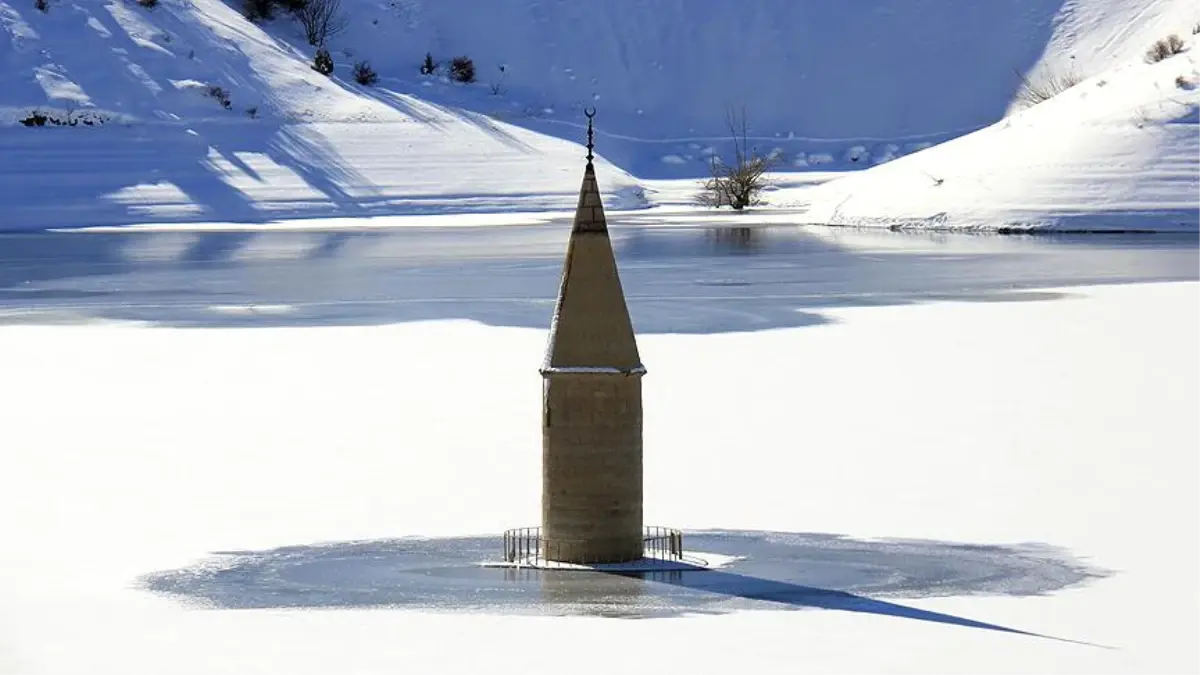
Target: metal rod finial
[[590, 113]]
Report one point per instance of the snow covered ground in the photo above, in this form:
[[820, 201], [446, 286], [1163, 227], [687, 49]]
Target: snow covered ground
[[828, 89], [1120, 151], [131, 449]]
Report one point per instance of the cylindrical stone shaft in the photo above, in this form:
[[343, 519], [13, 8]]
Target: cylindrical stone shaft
[[592, 468]]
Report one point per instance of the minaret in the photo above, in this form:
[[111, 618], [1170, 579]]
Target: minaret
[[591, 402]]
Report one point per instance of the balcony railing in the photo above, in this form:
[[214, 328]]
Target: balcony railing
[[524, 545]]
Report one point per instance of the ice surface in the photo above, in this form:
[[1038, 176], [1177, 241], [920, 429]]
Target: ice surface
[[680, 280], [1070, 423], [732, 570]]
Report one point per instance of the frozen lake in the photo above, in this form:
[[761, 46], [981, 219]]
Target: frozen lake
[[919, 477], [678, 279]]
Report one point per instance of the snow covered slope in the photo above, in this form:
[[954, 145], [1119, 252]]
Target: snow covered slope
[[825, 86], [1120, 151], [291, 142], [659, 68], [1091, 36]]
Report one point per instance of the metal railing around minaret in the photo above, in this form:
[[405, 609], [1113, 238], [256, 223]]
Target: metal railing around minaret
[[524, 546]]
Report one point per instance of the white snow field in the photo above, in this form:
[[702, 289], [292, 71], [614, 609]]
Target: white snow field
[[130, 448], [828, 88]]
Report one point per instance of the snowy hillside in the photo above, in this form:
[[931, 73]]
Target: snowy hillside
[[660, 70], [209, 117], [290, 143], [1119, 151], [1091, 36]]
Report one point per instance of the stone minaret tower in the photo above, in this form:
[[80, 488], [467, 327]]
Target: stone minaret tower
[[591, 402]]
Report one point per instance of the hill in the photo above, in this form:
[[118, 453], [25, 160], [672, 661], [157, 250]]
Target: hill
[[1117, 152], [207, 116]]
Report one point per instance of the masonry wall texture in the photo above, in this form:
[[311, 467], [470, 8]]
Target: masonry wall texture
[[592, 404], [592, 468]]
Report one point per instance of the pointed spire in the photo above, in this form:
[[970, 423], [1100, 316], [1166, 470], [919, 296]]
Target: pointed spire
[[591, 328], [589, 213]]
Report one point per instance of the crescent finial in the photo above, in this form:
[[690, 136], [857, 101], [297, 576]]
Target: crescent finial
[[590, 113]]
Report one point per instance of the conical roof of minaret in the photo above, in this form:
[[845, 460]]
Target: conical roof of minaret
[[591, 326]]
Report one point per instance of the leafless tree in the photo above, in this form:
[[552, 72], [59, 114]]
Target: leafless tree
[[498, 85], [736, 185], [321, 19]]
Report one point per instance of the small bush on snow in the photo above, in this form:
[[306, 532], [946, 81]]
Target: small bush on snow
[[36, 119], [220, 95], [323, 62], [70, 118], [1049, 83], [1164, 48], [364, 74], [43, 5], [462, 69], [148, 4], [428, 66]]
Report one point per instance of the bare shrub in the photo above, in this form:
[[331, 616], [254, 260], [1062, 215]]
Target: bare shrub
[[364, 74], [69, 118], [323, 62], [1164, 48], [148, 4], [428, 66], [219, 95], [321, 20], [43, 5], [497, 86], [462, 69], [36, 119], [736, 185], [1047, 85]]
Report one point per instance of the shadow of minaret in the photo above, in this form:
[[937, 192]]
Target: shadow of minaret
[[735, 585]]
